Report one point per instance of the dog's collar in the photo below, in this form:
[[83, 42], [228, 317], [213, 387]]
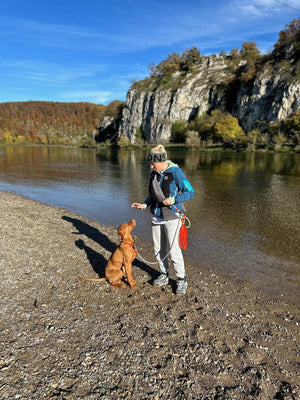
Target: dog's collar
[[131, 245], [128, 244]]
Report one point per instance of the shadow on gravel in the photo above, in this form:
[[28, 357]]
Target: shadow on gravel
[[97, 261], [93, 233]]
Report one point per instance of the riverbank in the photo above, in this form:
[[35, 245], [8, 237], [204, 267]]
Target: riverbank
[[69, 339]]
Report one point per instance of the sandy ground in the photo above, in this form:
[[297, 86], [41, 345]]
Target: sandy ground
[[64, 338]]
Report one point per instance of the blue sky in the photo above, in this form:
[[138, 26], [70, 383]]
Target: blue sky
[[92, 50]]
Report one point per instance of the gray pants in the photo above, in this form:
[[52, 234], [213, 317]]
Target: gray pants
[[165, 236]]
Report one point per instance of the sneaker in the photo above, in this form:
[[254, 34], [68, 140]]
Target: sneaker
[[181, 287], [162, 280]]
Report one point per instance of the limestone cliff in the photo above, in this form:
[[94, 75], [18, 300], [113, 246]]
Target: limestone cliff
[[272, 95], [271, 99]]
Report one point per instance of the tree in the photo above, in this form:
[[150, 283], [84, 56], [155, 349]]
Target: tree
[[228, 129], [189, 58], [151, 69], [192, 139], [234, 53], [290, 128], [168, 66], [249, 72], [204, 124], [178, 132], [7, 137], [249, 51], [289, 41]]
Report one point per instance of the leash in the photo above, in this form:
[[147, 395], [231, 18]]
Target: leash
[[181, 219]]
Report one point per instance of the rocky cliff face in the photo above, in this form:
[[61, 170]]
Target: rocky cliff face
[[271, 99], [268, 99]]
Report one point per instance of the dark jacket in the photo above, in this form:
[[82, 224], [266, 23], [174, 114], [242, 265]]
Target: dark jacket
[[173, 184]]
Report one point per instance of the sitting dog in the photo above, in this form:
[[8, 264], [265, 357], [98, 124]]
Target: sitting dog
[[121, 259]]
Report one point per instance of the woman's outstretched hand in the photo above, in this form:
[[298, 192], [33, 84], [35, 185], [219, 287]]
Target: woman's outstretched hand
[[137, 205]]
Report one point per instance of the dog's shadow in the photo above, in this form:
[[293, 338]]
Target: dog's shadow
[[98, 261]]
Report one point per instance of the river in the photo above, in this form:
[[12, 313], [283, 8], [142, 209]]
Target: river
[[244, 216]]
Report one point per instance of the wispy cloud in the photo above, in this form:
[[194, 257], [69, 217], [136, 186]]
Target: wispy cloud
[[92, 60], [161, 26], [86, 78], [261, 8], [57, 35], [95, 96], [47, 72]]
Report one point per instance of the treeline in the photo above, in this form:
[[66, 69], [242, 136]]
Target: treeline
[[221, 129], [286, 48], [44, 122]]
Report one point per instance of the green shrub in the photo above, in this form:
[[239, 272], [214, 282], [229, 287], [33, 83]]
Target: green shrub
[[178, 132], [123, 141], [192, 139]]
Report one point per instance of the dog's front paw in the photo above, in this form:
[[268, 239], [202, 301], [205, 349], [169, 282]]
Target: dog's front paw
[[133, 284]]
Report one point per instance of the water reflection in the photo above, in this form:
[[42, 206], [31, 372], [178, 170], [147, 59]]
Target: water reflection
[[245, 214]]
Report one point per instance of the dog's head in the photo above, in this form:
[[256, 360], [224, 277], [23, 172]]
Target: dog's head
[[126, 228]]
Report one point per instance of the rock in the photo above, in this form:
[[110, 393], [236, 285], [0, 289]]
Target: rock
[[271, 98]]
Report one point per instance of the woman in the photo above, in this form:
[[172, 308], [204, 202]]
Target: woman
[[168, 188]]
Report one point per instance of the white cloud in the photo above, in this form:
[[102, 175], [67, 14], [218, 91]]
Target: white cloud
[[262, 8], [159, 25], [48, 73], [98, 97]]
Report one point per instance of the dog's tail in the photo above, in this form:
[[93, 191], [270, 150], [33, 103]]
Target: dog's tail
[[92, 279]]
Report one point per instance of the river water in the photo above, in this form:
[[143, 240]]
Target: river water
[[244, 216]]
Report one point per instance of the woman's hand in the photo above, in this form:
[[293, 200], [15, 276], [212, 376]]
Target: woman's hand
[[137, 205], [167, 202]]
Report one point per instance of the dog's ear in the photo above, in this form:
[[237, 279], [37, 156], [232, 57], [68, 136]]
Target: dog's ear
[[121, 231]]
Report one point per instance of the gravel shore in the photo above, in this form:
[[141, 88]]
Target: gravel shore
[[63, 338]]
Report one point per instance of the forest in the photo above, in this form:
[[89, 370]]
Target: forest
[[41, 122]]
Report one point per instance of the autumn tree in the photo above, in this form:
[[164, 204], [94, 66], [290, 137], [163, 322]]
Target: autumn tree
[[190, 58], [234, 53], [192, 139], [289, 42], [168, 66], [228, 129], [204, 123], [187, 61], [249, 51], [290, 129], [7, 137]]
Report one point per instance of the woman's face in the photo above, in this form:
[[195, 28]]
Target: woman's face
[[157, 166]]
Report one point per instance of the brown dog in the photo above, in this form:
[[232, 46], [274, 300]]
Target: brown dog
[[121, 258]]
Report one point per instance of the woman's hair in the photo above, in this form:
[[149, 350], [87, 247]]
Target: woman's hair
[[159, 149], [157, 154]]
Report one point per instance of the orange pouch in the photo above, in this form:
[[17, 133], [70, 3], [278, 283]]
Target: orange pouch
[[183, 236]]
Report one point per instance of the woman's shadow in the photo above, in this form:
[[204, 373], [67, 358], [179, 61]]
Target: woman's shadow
[[98, 261]]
